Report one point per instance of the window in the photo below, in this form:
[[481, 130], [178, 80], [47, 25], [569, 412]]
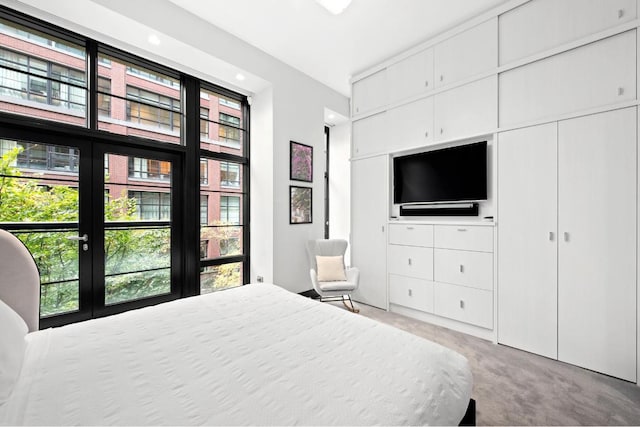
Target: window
[[229, 174], [229, 120], [229, 246], [204, 124], [229, 103], [104, 100], [230, 210], [152, 206], [153, 76], [19, 31], [152, 110], [31, 79], [149, 169], [227, 133], [204, 210], [52, 158], [204, 172], [204, 249]]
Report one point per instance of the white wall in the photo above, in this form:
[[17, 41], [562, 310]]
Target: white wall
[[197, 47], [340, 182]]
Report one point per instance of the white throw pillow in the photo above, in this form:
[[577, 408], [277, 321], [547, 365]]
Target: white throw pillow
[[330, 268], [12, 348]]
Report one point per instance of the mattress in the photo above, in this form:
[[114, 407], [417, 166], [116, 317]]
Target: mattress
[[256, 355]]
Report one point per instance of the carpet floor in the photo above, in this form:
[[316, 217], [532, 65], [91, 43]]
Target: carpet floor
[[513, 387]]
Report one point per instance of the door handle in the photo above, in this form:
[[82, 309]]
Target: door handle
[[83, 238]]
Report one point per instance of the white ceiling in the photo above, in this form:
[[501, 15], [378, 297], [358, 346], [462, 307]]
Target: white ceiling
[[332, 48]]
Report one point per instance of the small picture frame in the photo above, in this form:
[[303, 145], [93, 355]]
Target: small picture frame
[[300, 205], [300, 162]]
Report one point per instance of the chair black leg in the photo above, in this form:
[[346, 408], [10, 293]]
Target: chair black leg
[[350, 307]]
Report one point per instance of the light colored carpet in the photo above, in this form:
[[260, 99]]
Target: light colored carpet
[[513, 387]]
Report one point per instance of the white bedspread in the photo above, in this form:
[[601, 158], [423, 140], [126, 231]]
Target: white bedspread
[[257, 355]]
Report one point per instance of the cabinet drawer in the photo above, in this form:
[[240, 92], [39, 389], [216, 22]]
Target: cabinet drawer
[[410, 292], [474, 269], [467, 305], [411, 234], [411, 261], [471, 238]]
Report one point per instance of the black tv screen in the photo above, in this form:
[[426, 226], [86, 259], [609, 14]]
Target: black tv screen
[[446, 175]]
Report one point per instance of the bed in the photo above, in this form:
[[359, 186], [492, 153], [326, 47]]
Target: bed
[[253, 355]]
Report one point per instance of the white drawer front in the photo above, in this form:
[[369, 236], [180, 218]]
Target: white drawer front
[[410, 292], [471, 238], [467, 305], [411, 261], [411, 234], [474, 269]]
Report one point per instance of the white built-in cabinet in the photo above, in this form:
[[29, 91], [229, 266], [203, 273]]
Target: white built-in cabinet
[[467, 110], [553, 83], [567, 241], [370, 93], [411, 76], [570, 82], [540, 25], [467, 54], [370, 135], [369, 218]]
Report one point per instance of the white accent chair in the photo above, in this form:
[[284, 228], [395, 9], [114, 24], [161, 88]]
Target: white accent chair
[[19, 280], [335, 290]]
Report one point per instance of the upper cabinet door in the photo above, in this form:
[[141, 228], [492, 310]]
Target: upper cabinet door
[[467, 110], [594, 75], [412, 125], [597, 205], [411, 76], [523, 35], [467, 54], [369, 135], [370, 93]]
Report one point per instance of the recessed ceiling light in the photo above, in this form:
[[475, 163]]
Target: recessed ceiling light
[[240, 76], [153, 39], [331, 116], [335, 6]]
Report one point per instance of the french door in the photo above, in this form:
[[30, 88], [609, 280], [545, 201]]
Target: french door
[[103, 222]]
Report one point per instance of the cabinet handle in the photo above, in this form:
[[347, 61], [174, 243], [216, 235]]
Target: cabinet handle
[[441, 77], [620, 13], [551, 236], [426, 83], [409, 228], [383, 228], [410, 292], [409, 261], [566, 236], [357, 109], [462, 229], [441, 131], [462, 304], [461, 268], [426, 134], [620, 91]]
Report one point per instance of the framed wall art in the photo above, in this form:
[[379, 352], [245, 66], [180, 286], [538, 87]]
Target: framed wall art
[[300, 162], [300, 205]]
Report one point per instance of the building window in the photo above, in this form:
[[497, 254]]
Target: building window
[[18, 31], [229, 103], [152, 109], [230, 174], [152, 206], [204, 249], [104, 99], [230, 210], [53, 158], [149, 169], [28, 78], [229, 246], [204, 210], [204, 123], [153, 76], [227, 133], [204, 172]]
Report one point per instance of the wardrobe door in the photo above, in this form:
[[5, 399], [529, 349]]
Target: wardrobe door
[[597, 247], [527, 239]]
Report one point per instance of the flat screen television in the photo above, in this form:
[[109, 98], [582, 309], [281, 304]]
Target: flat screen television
[[452, 174]]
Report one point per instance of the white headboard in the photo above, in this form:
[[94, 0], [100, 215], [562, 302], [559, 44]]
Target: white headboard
[[19, 279]]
